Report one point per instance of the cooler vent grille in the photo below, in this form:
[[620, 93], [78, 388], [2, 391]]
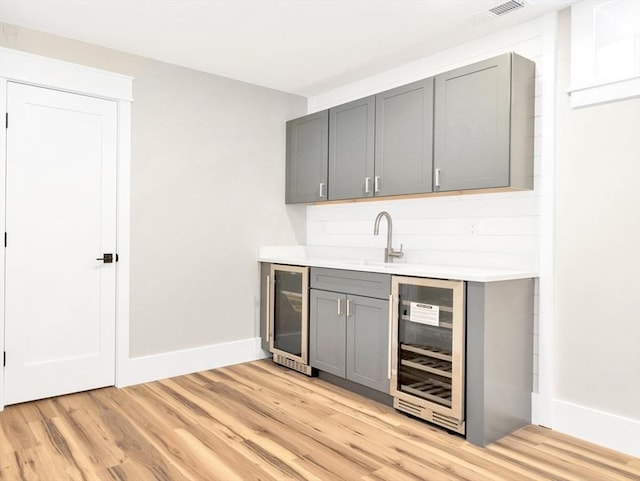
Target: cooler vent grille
[[409, 407], [418, 411], [291, 364], [446, 421]]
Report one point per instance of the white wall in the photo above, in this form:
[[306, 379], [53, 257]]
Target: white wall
[[597, 260], [207, 189]]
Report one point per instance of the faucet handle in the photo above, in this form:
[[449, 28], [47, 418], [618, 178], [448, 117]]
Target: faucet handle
[[396, 254]]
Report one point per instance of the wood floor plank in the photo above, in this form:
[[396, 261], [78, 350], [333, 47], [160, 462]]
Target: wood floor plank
[[442, 455], [611, 468], [127, 471], [55, 452], [216, 420], [30, 465], [6, 446], [298, 438], [10, 467], [16, 428], [551, 468], [131, 439], [260, 421], [634, 464]]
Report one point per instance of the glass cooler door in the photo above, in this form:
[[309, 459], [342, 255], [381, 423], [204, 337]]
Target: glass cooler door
[[289, 313], [428, 347]]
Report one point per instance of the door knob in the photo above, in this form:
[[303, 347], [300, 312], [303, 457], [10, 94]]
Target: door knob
[[106, 258]]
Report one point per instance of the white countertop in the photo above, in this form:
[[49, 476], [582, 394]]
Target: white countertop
[[319, 257]]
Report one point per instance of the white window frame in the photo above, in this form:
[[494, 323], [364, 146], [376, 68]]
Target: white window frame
[[587, 88]]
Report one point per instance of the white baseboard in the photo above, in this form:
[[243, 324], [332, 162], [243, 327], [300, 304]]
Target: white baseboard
[[599, 427], [142, 369]]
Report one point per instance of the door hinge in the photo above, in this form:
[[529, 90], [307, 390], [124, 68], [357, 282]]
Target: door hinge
[[6, 120], [5, 239], [4, 359]]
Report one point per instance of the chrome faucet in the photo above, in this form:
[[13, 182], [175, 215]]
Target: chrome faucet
[[389, 253]]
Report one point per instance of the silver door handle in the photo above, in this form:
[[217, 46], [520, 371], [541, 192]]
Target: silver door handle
[[390, 334], [367, 187], [437, 177], [268, 307], [376, 184], [348, 307], [321, 191], [339, 307]]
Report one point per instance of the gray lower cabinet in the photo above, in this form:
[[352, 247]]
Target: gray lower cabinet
[[307, 158], [499, 371], [483, 125], [349, 325], [368, 342], [349, 337], [404, 139], [351, 143], [327, 331]]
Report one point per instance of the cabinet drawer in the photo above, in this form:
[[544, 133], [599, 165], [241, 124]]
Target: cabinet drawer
[[368, 284]]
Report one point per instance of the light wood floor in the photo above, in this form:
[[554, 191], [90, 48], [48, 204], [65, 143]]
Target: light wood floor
[[258, 421]]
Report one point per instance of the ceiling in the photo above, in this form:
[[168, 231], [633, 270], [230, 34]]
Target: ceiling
[[304, 47]]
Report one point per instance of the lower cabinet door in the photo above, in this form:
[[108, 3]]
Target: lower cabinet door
[[368, 342], [327, 331]]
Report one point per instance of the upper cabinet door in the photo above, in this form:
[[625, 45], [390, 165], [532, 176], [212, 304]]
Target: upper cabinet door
[[404, 139], [351, 143], [484, 124], [307, 158]]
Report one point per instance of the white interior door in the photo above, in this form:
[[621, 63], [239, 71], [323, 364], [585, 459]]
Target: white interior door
[[60, 217]]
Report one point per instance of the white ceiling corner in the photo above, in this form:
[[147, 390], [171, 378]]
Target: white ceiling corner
[[304, 47]]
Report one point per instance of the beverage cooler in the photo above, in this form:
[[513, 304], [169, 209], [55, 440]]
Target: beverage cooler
[[288, 312], [428, 349]]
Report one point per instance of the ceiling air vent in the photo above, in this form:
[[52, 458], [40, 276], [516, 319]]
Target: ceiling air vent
[[507, 7], [493, 13]]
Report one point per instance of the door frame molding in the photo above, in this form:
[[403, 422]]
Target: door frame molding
[[55, 74]]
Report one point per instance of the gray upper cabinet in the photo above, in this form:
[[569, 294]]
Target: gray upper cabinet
[[483, 135], [404, 139], [307, 158], [351, 144], [470, 128]]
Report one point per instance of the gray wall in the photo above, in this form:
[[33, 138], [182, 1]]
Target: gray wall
[[597, 258], [207, 190]]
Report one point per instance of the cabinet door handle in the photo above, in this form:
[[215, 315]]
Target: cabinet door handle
[[437, 177], [376, 184], [367, 188], [321, 190], [339, 306], [268, 307], [390, 334], [348, 307]]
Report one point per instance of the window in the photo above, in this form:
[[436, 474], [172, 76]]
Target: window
[[605, 51]]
